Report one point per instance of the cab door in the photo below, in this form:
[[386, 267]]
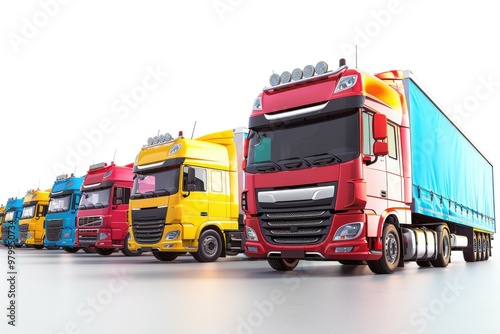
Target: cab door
[[195, 204]]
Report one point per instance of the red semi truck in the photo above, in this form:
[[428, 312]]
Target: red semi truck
[[358, 168], [102, 213]]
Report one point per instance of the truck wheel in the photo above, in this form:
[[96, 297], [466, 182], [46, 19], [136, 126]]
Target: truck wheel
[[104, 251], [391, 252], [38, 246], [470, 252], [88, 250], [128, 252], [283, 264], [71, 249], [165, 256], [444, 250], [423, 264], [209, 247]]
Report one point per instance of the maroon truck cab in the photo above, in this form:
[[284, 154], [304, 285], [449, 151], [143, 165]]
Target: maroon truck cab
[[102, 214]]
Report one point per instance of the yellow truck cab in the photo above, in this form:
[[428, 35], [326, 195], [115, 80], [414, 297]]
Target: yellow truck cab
[[32, 222], [186, 196]]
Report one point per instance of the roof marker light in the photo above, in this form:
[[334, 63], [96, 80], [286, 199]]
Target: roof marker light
[[321, 67], [308, 71], [274, 79], [297, 74], [286, 77]]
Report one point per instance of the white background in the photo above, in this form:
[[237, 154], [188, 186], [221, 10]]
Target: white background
[[67, 66]]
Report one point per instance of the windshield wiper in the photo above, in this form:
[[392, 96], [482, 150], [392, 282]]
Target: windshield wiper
[[294, 162], [100, 204], [268, 166], [149, 194], [161, 192], [323, 159], [137, 196]]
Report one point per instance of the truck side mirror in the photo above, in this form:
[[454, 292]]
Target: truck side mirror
[[380, 148], [191, 179], [118, 198], [379, 127]]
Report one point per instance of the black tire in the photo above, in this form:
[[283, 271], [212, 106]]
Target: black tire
[[165, 256], [391, 252], [38, 246], [71, 249], [88, 250], [128, 252], [483, 245], [479, 247], [104, 251], [444, 250], [52, 247], [283, 264], [352, 263], [423, 263], [488, 247], [470, 252], [209, 247]]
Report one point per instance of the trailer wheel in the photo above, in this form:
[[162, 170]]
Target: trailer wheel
[[209, 247], [128, 252], [71, 249], [487, 247], [480, 250], [104, 251], [391, 252], [444, 250], [483, 245], [470, 252], [165, 256], [283, 264]]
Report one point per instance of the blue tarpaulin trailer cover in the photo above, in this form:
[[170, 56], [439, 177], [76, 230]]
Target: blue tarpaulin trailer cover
[[451, 179]]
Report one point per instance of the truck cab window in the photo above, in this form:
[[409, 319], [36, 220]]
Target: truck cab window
[[367, 134], [391, 138]]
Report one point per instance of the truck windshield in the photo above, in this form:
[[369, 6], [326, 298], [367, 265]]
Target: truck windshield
[[28, 212], [9, 216], [303, 145], [59, 204], [95, 199], [156, 183]]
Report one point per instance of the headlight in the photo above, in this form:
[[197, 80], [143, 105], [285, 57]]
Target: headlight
[[172, 235], [348, 231], [250, 234], [346, 83]]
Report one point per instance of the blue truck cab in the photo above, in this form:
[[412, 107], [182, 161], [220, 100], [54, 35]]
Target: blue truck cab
[[60, 222], [10, 226]]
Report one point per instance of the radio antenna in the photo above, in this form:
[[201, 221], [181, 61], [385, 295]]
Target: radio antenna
[[194, 126], [356, 55], [114, 156]]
